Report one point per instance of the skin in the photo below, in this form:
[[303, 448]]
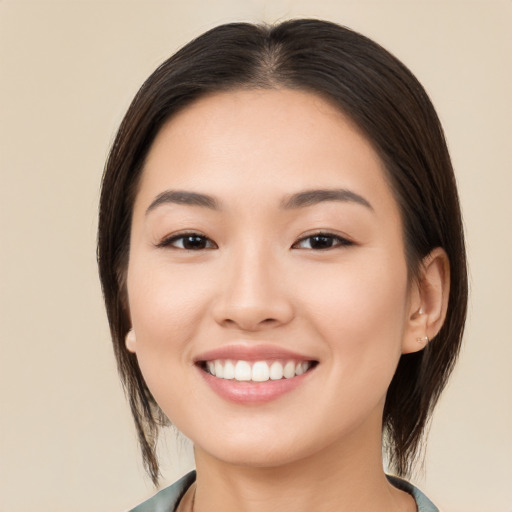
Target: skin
[[352, 307]]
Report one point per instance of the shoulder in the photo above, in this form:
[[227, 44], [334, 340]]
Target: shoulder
[[167, 499], [422, 502]]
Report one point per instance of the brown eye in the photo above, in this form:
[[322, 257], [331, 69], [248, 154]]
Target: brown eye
[[194, 242], [321, 241], [189, 242]]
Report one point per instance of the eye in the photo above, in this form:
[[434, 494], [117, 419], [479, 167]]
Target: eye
[[188, 241], [321, 241]]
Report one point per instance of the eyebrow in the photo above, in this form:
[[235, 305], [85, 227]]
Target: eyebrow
[[312, 197], [184, 197], [298, 200]]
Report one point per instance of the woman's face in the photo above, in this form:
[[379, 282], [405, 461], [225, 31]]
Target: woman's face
[[266, 245]]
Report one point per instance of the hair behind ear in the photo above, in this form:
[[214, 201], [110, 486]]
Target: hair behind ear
[[423, 370]]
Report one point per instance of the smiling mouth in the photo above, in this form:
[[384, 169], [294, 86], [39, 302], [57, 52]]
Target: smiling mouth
[[256, 371]]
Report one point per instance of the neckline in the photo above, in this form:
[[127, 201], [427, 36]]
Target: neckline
[[170, 497]]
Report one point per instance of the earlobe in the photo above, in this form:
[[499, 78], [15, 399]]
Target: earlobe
[[130, 341], [429, 301]]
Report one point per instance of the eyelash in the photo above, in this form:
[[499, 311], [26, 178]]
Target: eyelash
[[167, 242], [341, 242]]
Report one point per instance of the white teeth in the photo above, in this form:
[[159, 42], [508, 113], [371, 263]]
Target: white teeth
[[276, 371], [219, 370], [242, 371], [289, 370], [260, 371], [229, 370]]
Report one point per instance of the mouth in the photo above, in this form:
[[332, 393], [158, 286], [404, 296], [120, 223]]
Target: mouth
[[256, 371], [251, 374]]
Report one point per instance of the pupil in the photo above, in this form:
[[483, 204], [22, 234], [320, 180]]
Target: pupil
[[194, 242], [321, 241]]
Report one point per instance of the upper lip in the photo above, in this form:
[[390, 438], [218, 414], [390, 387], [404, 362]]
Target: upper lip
[[252, 352]]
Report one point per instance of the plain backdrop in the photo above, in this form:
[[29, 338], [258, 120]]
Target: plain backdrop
[[68, 70]]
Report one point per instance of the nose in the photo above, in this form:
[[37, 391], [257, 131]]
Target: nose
[[253, 295]]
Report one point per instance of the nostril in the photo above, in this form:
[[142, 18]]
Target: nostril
[[248, 323]]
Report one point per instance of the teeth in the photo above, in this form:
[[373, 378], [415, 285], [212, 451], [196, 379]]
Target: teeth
[[289, 370], [242, 370], [260, 371], [229, 370], [219, 370], [276, 371]]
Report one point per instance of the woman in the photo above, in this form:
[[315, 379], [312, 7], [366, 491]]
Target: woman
[[282, 259]]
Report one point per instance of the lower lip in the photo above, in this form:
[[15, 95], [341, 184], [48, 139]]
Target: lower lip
[[252, 392]]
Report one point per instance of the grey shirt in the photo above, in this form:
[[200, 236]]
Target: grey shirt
[[167, 499]]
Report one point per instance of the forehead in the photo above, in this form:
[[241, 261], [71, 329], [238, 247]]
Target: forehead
[[255, 143]]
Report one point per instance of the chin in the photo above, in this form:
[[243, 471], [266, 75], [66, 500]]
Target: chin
[[260, 449], [256, 456]]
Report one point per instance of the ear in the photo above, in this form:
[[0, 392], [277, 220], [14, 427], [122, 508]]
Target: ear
[[428, 301], [130, 341]]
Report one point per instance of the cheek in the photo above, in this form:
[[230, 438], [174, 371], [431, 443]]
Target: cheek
[[361, 310], [363, 288], [166, 306], [359, 313]]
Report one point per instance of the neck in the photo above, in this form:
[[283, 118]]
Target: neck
[[345, 477]]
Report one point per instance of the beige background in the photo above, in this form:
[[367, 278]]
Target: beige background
[[68, 70]]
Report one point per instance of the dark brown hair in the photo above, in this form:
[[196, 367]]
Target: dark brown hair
[[391, 108]]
